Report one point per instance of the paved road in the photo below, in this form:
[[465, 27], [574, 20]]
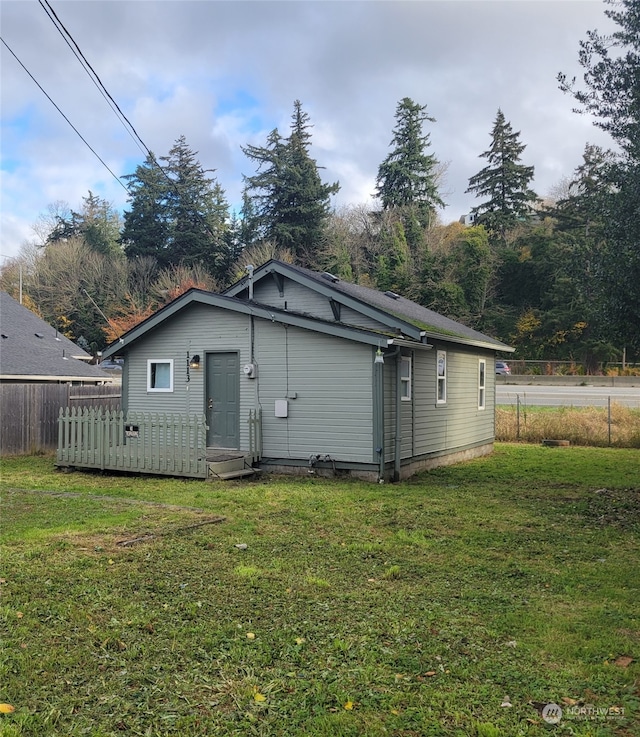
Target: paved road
[[576, 396]]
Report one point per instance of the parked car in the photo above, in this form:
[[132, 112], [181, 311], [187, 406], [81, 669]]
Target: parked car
[[109, 365], [502, 368]]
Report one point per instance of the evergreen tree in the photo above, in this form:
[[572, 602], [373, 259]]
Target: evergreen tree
[[197, 211], [178, 214], [97, 224], [503, 183], [146, 223], [407, 177], [611, 93], [289, 203]]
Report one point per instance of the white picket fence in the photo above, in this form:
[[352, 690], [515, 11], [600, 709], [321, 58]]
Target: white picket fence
[[138, 441]]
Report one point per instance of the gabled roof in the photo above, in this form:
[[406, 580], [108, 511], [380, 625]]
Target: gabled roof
[[32, 350], [399, 314], [285, 317]]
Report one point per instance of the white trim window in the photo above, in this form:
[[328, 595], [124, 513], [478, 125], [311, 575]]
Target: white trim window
[[482, 383], [441, 377], [160, 375], [405, 378]]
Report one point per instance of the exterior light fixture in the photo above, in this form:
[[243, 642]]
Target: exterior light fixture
[[195, 362], [379, 357]]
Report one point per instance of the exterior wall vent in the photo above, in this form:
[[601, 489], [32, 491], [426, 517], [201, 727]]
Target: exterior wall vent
[[330, 277]]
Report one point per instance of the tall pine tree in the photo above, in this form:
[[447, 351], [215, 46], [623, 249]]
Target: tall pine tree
[[146, 223], [286, 198], [407, 178], [611, 93], [178, 214], [503, 184]]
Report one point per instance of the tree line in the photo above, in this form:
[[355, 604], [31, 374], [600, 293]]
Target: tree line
[[557, 279]]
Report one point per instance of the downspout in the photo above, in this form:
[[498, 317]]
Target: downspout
[[398, 444], [398, 439], [378, 398]]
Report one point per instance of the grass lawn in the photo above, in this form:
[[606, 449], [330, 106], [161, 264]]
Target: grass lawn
[[460, 602]]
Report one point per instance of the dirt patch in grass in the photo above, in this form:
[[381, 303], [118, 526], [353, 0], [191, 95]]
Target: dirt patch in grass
[[615, 507]]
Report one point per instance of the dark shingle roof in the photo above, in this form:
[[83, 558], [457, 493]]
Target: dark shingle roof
[[29, 346], [432, 323]]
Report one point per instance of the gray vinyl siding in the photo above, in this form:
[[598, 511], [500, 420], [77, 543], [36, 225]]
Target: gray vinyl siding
[[197, 330], [351, 317], [389, 409], [428, 427], [299, 298], [458, 422], [331, 379], [407, 410]]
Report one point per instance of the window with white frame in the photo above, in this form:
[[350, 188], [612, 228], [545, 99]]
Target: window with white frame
[[160, 375], [482, 382], [405, 378], [441, 378]]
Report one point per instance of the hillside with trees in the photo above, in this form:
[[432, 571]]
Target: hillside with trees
[[557, 279]]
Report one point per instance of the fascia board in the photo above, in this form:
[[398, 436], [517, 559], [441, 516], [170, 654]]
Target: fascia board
[[443, 337], [235, 305]]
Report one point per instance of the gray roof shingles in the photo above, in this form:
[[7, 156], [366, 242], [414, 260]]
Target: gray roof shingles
[[24, 353], [421, 317]]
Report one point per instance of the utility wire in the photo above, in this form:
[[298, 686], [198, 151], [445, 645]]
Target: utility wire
[[95, 78], [93, 75], [82, 138]]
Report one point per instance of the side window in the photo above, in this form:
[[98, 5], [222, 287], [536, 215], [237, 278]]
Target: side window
[[482, 379], [441, 391], [405, 379], [160, 375]]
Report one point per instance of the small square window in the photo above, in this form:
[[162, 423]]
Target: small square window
[[405, 379], [160, 375], [441, 379], [482, 383]]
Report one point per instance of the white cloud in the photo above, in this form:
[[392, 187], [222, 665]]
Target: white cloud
[[223, 74]]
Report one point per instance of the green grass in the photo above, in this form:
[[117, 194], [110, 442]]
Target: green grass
[[356, 609]]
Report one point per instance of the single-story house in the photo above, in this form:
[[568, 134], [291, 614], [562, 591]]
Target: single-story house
[[337, 376], [32, 351]]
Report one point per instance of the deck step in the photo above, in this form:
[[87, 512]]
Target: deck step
[[234, 474], [229, 466]]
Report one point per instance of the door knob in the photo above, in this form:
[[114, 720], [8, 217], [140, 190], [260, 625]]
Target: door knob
[[210, 403]]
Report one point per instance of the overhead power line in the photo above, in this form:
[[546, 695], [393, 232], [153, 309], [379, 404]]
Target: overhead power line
[[95, 78], [93, 75], [82, 138]]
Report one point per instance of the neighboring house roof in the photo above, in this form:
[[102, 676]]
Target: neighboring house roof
[[400, 314], [32, 350]]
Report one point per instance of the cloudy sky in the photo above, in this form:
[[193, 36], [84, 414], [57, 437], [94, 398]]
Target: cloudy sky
[[225, 73]]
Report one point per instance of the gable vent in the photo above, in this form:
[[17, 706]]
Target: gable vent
[[329, 277], [393, 295]]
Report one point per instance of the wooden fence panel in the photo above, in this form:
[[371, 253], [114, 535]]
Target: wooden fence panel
[[142, 442], [29, 412]]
